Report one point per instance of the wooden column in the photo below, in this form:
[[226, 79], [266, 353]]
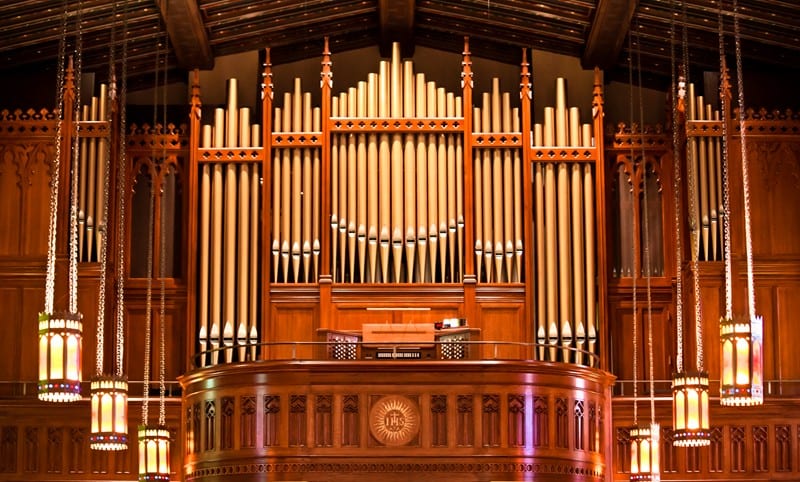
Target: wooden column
[[325, 278], [469, 279], [526, 99], [195, 107]]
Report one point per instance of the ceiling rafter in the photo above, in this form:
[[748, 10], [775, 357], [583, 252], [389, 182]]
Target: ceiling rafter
[[612, 20], [187, 33]]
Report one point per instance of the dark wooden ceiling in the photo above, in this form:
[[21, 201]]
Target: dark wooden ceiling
[[592, 30]]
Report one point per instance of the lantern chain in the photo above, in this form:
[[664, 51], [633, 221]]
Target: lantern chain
[[163, 252], [726, 228], [122, 190], [103, 225], [745, 171], [633, 244], [49, 289], [646, 228], [73, 217], [677, 95], [150, 234]]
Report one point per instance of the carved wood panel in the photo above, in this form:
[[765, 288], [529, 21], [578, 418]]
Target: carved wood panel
[[402, 412], [351, 433], [248, 422]]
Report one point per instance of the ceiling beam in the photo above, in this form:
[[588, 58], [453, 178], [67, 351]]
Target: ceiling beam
[[611, 23], [187, 33], [396, 25]]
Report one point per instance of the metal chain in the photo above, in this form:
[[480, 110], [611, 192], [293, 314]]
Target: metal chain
[[646, 216], [633, 244], [691, 172], [73, 214], [676, 167], [148, 308], [50, 276], [751, 298], [726, 220], [122, 190], [150, 232], [103, 224], [162, 412], [685, 42]]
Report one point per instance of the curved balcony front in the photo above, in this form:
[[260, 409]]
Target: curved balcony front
[[396, 420]]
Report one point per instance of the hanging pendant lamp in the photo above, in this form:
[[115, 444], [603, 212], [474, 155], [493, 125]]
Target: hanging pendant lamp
[[690, 412], [154, 440], [60, 356], [645, 443], [644, 437], [154, 456], [61, 332], [741, 337], [109, 393]]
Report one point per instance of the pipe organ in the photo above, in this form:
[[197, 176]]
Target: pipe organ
[[704, 171], [229, 234], [396, 181]]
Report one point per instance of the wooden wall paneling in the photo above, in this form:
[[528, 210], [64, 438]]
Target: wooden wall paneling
[[38, 443], [12, 195], [175, 331], [87, 305], [765, 297], [135, 341], [663, 341], [504, 322], [622, 343], [712, 305], [348, 317], [775, 186], [786, 339], [11, 300], [774, 169], [747, 443], [25, 173], [290, 322]]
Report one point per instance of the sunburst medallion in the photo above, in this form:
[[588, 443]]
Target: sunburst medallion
[[394, 420]]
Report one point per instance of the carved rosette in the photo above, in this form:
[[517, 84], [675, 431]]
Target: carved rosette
[[394, 420]]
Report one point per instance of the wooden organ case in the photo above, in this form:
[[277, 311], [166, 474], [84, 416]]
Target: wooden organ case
[[396, 202]]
